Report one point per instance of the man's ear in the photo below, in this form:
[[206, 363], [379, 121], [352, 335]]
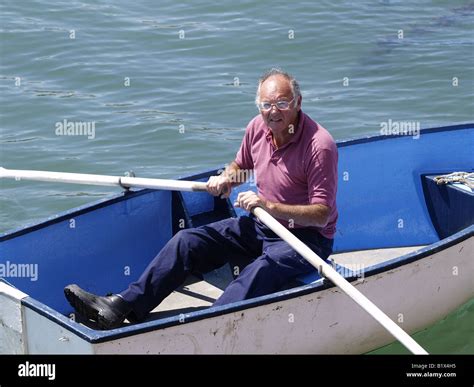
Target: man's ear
[[300, 99]]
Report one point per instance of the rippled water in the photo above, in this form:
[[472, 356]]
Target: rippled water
[[170, 87]]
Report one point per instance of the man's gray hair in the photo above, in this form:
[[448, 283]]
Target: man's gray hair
[[295, 87]]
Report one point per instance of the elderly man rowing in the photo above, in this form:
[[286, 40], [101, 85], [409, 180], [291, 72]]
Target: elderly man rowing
[[294, 160]]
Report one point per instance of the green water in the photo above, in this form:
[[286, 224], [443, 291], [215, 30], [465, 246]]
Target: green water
[[452, 335], [170, 87]]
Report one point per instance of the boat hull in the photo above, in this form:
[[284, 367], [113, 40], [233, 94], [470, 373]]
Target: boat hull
[[322, 321]]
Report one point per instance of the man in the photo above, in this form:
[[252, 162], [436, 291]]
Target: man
[[295, 164]]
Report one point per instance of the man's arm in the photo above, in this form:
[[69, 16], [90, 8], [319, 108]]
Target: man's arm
[[304, 215]]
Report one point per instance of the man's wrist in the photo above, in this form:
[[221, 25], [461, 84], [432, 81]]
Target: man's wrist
[[267, 204], [225, 175], [229, 175]]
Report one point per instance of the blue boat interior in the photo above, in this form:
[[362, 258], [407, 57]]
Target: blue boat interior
[[386, 198]]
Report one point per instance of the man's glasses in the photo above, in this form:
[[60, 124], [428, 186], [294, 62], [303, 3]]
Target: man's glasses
[[280, 105]]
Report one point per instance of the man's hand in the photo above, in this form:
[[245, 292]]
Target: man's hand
[[219, 185], [248, 200]]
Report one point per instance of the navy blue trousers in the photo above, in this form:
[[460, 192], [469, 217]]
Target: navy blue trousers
[[264, 261]]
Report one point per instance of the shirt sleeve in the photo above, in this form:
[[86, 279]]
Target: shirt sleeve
[[244, 155], [322, 176]]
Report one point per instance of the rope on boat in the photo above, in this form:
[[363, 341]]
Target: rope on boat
[[456, 177]]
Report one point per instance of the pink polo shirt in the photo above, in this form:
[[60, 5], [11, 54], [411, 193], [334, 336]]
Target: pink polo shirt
[[303, 171]]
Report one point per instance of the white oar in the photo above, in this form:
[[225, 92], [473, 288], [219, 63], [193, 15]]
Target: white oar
[[124, 181], [326, 270]]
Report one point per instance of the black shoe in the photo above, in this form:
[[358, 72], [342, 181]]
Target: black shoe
[[108, 312]]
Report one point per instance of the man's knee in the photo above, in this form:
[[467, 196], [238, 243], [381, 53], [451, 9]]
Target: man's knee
[[188, 236], [183, 234]]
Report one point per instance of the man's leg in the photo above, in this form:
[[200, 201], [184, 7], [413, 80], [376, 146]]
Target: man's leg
[[203, 249], [278, 264]]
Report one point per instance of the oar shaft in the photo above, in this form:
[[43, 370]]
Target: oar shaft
[[80, 178], [331, 274]]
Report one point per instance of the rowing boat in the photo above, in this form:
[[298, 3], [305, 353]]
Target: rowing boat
[[402, 240]]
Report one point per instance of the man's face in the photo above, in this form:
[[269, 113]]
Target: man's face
[[274, 89]]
